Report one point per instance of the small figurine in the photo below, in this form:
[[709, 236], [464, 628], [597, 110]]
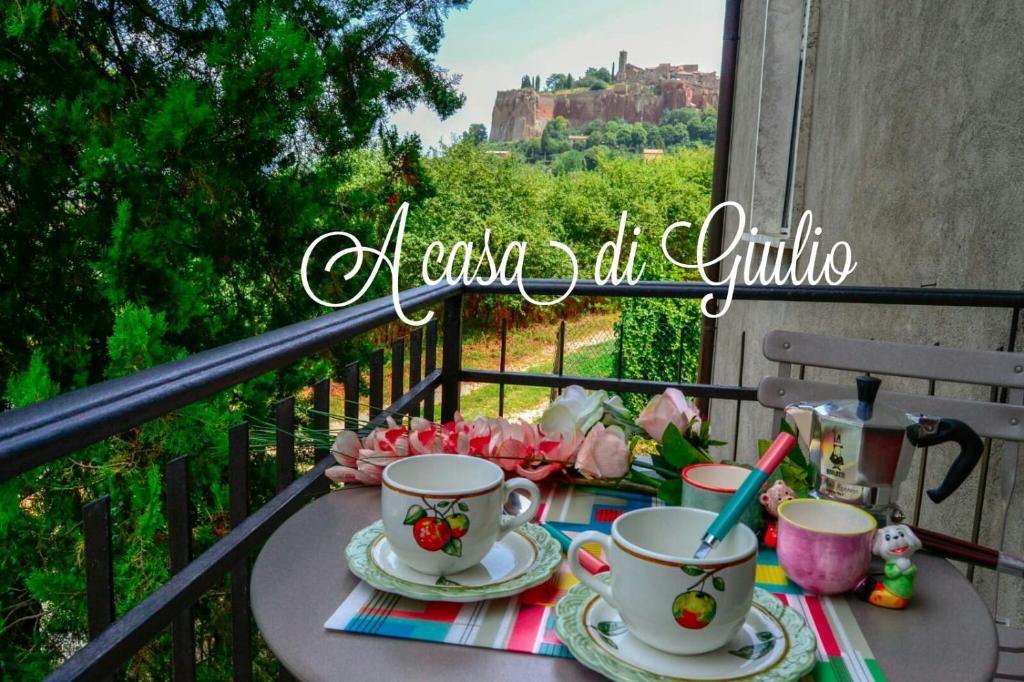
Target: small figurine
[[770, 500], [896, 544]]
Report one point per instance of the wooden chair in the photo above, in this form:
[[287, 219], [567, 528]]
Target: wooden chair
[[1003, 420]]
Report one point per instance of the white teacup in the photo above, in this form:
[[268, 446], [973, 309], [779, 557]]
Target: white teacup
[[443, 513], [668, 599]]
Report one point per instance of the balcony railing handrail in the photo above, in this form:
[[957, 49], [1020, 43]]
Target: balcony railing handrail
[[930, 296], [45, 431]]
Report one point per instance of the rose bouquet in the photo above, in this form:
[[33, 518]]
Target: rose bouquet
[[584, 436]]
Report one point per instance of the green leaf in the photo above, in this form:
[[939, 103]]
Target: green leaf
[[693, 570], [795, 454], [443, 505], [611, 627], [752, 652], [447, 582], [719, 583], [765, 636], [608, 640], [454, 547], [659, 461], [671, 492], [463, 507], [679, 452], [415, 513]]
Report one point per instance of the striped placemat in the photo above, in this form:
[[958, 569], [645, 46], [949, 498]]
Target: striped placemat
[[526, 623]]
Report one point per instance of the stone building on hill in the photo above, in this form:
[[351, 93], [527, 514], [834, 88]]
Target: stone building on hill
[[638, 94]]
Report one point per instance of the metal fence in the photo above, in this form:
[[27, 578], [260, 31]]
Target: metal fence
[[50, 430]]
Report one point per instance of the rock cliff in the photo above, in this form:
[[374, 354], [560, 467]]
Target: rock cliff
[[642, 95]]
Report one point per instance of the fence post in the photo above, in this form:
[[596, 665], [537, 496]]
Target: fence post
[[238, 493], [322, 423], [501, 368], [99, 566], [285, 437], [559, 357], [451, 357], [352, 396], [376, 382], [415, 365], [622, 337], [429, 366], [179, 542], [397, 369]]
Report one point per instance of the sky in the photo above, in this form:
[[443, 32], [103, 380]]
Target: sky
[[493, 43]]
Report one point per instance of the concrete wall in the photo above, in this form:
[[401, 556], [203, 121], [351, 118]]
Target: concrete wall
[[911, 148]]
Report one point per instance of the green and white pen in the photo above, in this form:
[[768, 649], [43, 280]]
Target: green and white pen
[[750, 487]]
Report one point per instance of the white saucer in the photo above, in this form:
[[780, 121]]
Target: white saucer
[[774, 644], [525, 557]]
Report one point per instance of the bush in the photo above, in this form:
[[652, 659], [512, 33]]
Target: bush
[[661, 342]]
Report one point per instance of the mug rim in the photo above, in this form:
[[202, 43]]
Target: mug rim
[[643, 554], [388, 482], [872, 526], [705, 486]]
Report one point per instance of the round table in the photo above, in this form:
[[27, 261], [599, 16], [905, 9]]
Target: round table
[[300, 578]]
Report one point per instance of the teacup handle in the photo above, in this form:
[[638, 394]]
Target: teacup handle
[[582, 574], [512, 522]]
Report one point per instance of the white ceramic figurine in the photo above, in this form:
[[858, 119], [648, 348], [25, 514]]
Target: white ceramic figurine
[[896, 544]]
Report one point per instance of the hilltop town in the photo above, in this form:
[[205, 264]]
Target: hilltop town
[[636, 94]]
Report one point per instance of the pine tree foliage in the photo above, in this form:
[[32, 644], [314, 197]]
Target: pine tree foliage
[[163, 166]]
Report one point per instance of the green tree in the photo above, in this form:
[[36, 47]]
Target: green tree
[[162, 168], [526, 82], [558, 81], [555, 138], [568, 162], [476, 133]]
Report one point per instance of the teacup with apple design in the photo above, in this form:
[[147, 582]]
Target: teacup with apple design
[[443, 513], [668, 599]]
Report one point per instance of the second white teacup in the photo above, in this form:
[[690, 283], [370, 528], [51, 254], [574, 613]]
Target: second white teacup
[[443, 513], [668, 599]]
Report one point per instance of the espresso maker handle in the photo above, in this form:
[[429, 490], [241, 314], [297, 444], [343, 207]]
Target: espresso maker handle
[[929, 431]]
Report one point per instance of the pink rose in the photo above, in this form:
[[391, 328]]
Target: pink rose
[[551, 453], [424, 437], [604, 453], [364, 463], [671, 407], [450, 433]]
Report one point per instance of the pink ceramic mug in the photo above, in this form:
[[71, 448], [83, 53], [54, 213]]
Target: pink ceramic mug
[[824, 546]]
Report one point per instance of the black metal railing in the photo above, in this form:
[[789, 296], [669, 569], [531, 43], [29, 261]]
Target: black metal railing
[[47, 431]]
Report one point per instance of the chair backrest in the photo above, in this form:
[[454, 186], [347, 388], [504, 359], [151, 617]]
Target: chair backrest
[[990, 419], [998, 369]]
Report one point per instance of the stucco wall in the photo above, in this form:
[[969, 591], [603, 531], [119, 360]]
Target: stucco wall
[[911, 148]]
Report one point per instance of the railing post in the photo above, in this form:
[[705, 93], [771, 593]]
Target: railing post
[[397, 369], [179, 542], [99, 565], [238, 487], [321, 422], [429, 366], [285, 419], [376, 383], [352, 396], [415, 364], [451, 357], [501, 368], [739, 403]]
